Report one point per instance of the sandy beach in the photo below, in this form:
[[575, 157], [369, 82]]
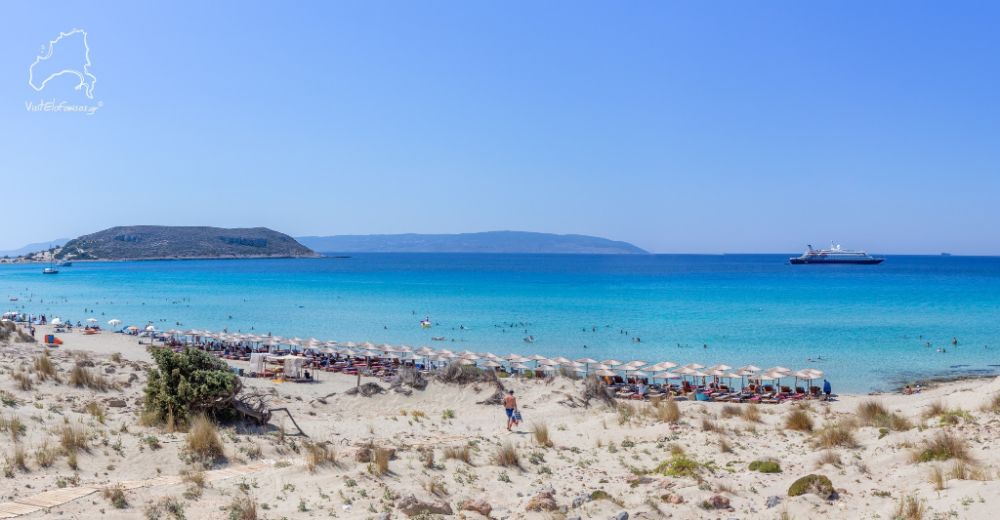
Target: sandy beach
[[598, 460]]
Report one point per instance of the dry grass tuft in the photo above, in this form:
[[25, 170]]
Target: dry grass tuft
[[507, 456], [203, 442], [799, 420], [540, 431], [81, 377], [45, 368], [874, 413], [45, 455], [462, 453], [936, 477], [731, 410], [829, 457], [72, 439], [992, 405], [242, 507], [116, 495], [910, 508], [13, 425], [836, 434], [23, 380], [752, 413], [319, 454], [380, 461], [943, 446], [707, 425], [18, 458]]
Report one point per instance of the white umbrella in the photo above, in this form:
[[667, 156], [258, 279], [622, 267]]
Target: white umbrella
[[720, 366], [663, 365], [150, 328], [604, 373], [694, 366], [750, 369], [491, 364], [115, 322], [666, 375], [91, 320], [561, 360], [780, 370], [56, 321], [611, 362]]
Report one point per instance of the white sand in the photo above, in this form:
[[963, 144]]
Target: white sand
[[592, 450]]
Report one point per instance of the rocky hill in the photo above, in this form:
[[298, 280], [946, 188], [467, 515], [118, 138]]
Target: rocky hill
[[485, 242], [176, 242]]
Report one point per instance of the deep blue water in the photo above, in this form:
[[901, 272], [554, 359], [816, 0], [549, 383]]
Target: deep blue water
[[870, 324]]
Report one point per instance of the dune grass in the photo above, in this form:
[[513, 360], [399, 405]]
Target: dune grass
[[540, 431], [462, 453], [81, 377], [507, 456], [380, 461], [798, 419], [72, 439], [910, 508], [318, 455], [943, 446], [874, 413], [45, 368], [203, 442], [751, 413], [836, 434]]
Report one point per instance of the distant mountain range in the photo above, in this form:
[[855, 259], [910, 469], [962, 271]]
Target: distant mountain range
[[31, 248], [485, 242], [178, 242]]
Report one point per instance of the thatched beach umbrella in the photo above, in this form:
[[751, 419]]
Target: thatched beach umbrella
[[586, 363]]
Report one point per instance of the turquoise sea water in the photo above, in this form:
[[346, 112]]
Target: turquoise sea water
[[869, 324]]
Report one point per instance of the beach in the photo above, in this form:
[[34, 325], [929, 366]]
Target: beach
[[597, 461]]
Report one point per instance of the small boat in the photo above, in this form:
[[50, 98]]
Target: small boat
[[50, 270], [65, 263], [437, 338], [425, 323]]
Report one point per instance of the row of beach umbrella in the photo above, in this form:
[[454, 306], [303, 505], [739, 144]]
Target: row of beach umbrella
[[664, 370]]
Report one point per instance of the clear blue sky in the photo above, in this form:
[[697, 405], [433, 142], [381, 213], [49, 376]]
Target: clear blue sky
[[679, 126]]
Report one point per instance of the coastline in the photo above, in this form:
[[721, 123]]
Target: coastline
[[602, 460]]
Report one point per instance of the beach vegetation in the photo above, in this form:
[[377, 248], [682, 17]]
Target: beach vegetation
[[724, 445], [45, 368], [203, 442], [45, 455], [18, 458], [507, 455], [462, 453], [8, 399], [708, 425], [95, 409], [116, 495], [72, 439], [943, 446], [910, 507], [818, 485], [380, 461], [936, 477], [730, 410], [448, 414], [242, 507], [540, 432], [992, 404], [836, 434], [829, 457], [82, 377], [765, 466], [799, 420], [23, 380], [188, 384], [319, 454], [679, 465], [751, 413], [14, 426], [874, 413], [166, 507]]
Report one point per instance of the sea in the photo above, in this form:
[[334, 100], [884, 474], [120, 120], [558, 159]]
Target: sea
[[869, 328]]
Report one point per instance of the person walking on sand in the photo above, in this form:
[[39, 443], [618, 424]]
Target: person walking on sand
[[510, 406]]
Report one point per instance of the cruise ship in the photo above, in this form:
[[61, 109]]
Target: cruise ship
[[835, 255]]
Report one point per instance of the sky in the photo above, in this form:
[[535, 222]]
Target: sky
[[679, 126]]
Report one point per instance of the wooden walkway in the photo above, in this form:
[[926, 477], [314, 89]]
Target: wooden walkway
[[58, 497]]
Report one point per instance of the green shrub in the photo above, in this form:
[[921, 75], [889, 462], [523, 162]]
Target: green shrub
[[679, 466], [186, 384], [816, 484], [765, 466]]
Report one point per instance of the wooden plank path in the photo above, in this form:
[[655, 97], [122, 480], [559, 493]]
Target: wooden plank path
[[58, 497]]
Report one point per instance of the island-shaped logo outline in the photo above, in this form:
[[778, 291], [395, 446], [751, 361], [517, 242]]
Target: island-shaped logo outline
[[87, 79]]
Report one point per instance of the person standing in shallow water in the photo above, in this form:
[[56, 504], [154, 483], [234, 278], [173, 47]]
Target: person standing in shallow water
[[510, 406]]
